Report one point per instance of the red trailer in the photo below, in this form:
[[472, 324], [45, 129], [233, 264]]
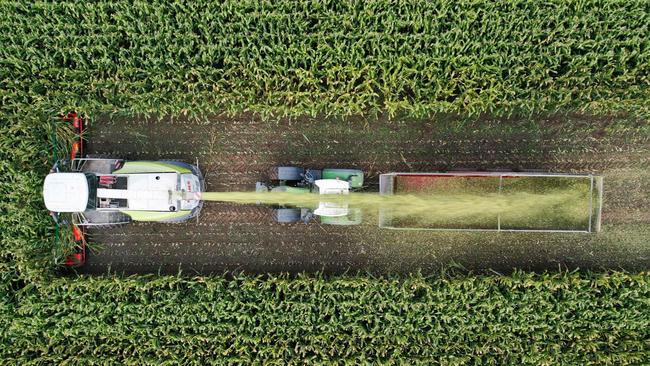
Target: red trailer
[[522, 201]]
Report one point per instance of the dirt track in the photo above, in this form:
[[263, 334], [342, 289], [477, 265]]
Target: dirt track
[[235, 153]]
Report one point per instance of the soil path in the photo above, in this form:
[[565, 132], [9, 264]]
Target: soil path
[[236, 152]]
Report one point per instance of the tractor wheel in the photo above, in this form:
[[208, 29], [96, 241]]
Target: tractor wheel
[[287, 215], [287, 173], [315, 174]]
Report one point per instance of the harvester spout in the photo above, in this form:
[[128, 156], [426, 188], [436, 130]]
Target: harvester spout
[[186, 196]]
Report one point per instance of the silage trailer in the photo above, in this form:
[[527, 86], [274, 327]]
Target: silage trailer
[[584, 202]]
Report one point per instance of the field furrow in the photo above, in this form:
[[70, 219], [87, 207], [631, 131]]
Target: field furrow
[[236, 152]]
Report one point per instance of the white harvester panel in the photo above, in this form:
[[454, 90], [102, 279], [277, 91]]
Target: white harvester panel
[[65, 192], [332, 186], [149, 192]]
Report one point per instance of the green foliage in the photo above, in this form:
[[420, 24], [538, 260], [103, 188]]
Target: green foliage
[[566, 318], [307, 58], [27, 230], [330, 57]]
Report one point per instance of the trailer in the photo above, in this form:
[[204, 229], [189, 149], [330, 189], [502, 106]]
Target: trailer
[[504, 201]]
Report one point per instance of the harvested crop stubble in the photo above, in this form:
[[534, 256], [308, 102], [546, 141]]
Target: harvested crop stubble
[[332, 57], [566, 318]]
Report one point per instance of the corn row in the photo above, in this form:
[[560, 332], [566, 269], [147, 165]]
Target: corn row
[[331, 57], [566, 318]]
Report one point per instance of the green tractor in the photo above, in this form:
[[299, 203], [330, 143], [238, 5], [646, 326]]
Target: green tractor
[[324, 182]]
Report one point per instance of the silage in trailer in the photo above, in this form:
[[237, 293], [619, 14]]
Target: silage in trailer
[[531, 202]]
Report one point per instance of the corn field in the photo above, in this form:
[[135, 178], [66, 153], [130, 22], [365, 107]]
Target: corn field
[[329, 57], [297, 58], [566, 318]]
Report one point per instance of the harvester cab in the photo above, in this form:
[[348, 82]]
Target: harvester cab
[[68, 192]]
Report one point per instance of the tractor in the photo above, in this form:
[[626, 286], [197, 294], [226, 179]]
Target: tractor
[[329, 181]]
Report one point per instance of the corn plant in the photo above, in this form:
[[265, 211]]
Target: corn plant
[[335, 58], [565, 318]]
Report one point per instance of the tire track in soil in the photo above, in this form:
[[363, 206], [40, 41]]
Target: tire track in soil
[[235, 153]]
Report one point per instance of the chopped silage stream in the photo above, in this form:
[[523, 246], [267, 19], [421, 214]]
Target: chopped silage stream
[[565, 208]]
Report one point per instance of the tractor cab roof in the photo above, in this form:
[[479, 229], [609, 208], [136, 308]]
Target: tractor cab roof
[[65, 192], [332, 186], [331, 209]]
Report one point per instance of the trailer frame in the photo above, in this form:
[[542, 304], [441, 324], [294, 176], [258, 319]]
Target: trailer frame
[[386, 187]]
